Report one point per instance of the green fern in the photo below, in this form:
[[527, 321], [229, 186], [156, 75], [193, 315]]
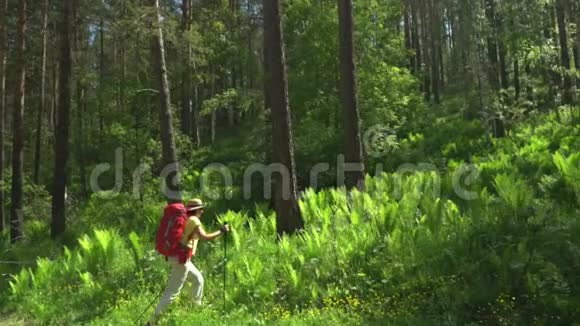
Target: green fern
[[569, 167], [516, 193], [136, 248], [21, 283]]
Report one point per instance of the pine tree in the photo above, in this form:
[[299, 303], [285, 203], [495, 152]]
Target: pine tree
[[168, 149], [3, 56], [18, 126], [351, 114], [63, 122], [288, 216]]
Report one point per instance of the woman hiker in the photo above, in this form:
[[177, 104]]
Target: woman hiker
[[182, 268]]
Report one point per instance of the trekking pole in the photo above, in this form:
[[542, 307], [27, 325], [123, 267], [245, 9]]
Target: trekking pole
[[225, 265], [149, 306]]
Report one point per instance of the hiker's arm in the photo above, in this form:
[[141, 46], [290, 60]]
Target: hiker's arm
[[207, 236]]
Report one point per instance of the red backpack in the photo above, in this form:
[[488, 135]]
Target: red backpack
[[171, 229]]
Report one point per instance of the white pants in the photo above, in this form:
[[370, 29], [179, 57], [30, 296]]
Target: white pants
[[179, 274]]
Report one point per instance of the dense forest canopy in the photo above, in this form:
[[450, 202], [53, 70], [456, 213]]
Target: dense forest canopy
[[391, 161]]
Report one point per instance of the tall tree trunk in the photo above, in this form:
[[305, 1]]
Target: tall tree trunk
[[504, 78], [123, 83], [55, 94], [415, 38], [408, 34], [18, 127], [348, 86], [435, 42], [502, 51], [213, 116], [231, 111], [195, 107], [212, 123], [492, 46], [577, 48], [194, 118], [529, 86], [517, 84], [80, 50], [288, 216], [492, 54], [233, 27], [196, 137], [80, 142], [169, 151], [441, 69], [3, 56], [63, 121], [101, 74], [186, 113], [42, 100], [250, 64], [564, 54], [426, 50]]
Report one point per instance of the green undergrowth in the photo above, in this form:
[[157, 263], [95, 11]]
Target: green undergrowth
[[498, 245]]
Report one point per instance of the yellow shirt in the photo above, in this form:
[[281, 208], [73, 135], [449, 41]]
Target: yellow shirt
[[188, 238]]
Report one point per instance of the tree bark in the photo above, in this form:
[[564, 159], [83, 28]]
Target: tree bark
[[42, 101], [101, 74], [416, 39], [492, 46], [425, 37], [348, 86], [231, 111], [577, 47], [55, 94], [441, 69], [492, 54], [169, 152], [80, 142], [250, 43], [63, 122], [288, 216], [196, 137], [517, 84], [504, 78], [564, 54], [234, 28], [123, 83], [529, 87], [18, 127], [213, 116], [502, 51], [435, 42], [195, 118], [408, 34], [3, 56], [80, 49], [186, 86]]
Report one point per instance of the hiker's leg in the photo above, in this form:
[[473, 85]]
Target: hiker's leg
[[174, 285], [197, 282]]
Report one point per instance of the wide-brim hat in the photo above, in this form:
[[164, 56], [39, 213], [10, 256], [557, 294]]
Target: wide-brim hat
[[194, 204]]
